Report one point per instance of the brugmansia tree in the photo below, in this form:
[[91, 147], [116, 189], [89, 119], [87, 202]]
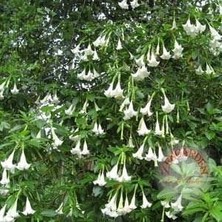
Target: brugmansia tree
[[95, 95]]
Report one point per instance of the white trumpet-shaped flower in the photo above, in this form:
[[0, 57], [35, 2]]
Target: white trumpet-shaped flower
[[132, 205], [28, 208], [15, 90], [214, 33], [123, 4], [109, 91], [2, 213], [85, 150], [129, 112], [12, 212], [165, 55], [151, 155], [158, 131], [171, 215], [167, 107], [140, 61], [88, 51], [141, 73], [177, 206], [178, 49], [151, 58], [100, 41], [56, 141], [199, 70], [97, 129], [209, 69], [119, 45], [77, 149], [117, 92], [8, 163], [145, 203], [70, 110], [113, 173], [95, 56], [189, 28], [139, 153], [100, 179], [142, 128], [5, 178], [111, 207], [22, 164], [147, 109], [161, 157], [124, 177], [134, 4]]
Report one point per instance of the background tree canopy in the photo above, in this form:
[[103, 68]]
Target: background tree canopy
[[95, 95]]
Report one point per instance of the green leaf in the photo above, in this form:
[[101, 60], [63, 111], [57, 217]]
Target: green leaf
[[49, 213]]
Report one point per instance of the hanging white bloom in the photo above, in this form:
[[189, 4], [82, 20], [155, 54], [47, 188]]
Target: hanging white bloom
[[113, 173], [120, 209], [199, 70], [95, 73], [82, 75], [88, 51], [150, 155], [167, 107], [77, 149], [134, 4], [22, 164], [118, 92], [145, 203], [126, 208], [157, 130], [142, 128], [109, 91], [8, 163], [209, 69], [123, 4], [124, 177], [141, 73], [1, 95], [214, 33], [177, 206], [100, 180], [129, 112], [174, 25], [119, 45], [15, 90], [151, 58], [140, 61], [56, 141], [70, 110], [125, 102], [157, 52], [97, 129], [165, 204], [84, 107], [111, 207], [165, 55], [28, 208], [89, 76], [59, 210], [5, 178], [132, 205], [12, 212], [2, 213], [85, 150], [171, 215], [189, 28], [199, 27], [76, 50], [161, 157], [100, 41], [130, 142], [147, 109], [95, 56], [177, 50], [139, 153]]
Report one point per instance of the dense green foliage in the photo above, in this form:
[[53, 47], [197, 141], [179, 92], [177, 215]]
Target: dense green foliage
[[59, 60]]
